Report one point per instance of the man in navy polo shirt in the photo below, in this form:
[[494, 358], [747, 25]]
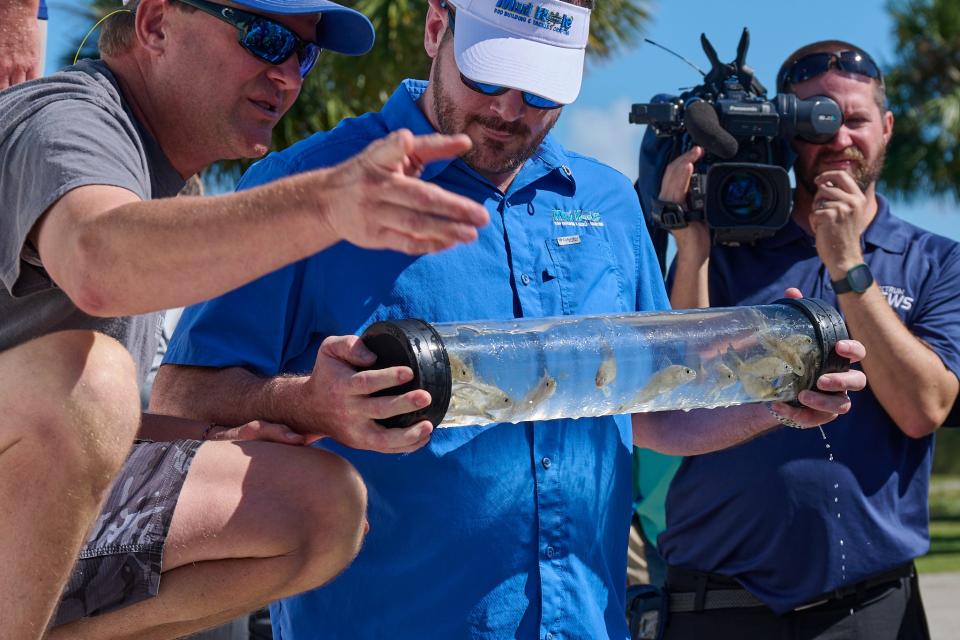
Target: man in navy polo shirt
[[512, 530], [821, 528]]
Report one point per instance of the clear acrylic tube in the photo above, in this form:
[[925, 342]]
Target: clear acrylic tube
[[571, 367]]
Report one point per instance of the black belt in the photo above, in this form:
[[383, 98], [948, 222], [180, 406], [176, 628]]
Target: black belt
[[702, 591]]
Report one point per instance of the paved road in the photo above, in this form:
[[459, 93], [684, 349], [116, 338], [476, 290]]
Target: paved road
[[941, 594]]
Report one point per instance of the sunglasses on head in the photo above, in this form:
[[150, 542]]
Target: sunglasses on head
[[265, 39], [487, 89], [817, 64]]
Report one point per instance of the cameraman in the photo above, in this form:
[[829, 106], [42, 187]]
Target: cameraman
[[808, 534]]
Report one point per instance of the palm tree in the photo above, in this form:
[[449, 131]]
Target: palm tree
[[923, 87], [342, 87]]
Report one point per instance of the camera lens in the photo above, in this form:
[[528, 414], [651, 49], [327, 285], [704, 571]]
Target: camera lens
[[744, 194]]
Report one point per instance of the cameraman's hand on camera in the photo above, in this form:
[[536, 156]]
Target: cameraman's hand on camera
[[839, 208], [693, 241], [335, 401]]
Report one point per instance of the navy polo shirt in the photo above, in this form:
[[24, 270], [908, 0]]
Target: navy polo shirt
[[512, 530], [787, 515]]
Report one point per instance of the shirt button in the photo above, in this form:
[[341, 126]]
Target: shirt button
[[566, 171], [525, 279], [546, 463], [551, 552]]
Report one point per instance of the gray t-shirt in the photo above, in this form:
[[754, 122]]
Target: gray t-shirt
[[61, 132]]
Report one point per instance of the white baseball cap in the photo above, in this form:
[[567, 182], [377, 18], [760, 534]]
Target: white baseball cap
[[536, 46]]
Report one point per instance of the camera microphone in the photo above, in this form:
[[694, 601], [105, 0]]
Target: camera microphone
[[703, 125]]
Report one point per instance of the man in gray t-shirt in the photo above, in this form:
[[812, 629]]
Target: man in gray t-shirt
[[92, 246]]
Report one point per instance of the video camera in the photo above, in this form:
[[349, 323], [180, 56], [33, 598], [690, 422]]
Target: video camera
[[740, 187]]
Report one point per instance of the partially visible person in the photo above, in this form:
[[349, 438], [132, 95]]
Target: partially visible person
[[652, 474], [92, 245], [23, 36], [812, 535], [500, 531]]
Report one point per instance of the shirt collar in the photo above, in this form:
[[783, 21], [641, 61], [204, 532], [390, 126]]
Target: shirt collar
[[401, 111], [886, 230]]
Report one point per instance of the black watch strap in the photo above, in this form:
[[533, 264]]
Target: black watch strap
[[669, 215], [857, 280]]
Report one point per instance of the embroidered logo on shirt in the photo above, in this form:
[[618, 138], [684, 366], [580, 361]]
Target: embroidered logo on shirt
[[537, 15], [897, 297], [577, 218]]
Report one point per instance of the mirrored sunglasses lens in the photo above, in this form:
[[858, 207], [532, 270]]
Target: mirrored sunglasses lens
[[308, 58], [540, 102], [486, 88], [270, 41], [853, 62], [810, 67]]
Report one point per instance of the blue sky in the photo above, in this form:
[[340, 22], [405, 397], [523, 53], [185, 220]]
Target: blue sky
[[597, 123]]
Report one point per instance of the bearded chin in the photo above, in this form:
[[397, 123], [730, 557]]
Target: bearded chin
[[490, 156], [864, 175]]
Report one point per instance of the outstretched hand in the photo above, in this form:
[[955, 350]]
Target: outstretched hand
[[381, 203]]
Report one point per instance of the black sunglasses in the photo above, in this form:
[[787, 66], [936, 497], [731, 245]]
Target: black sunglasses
[[263, 38], [817, 64], [487, 89]]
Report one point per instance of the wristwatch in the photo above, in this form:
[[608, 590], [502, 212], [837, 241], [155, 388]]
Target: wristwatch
[[858, 280], [669, 215]]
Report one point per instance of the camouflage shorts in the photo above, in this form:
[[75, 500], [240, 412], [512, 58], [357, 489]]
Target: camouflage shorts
[[120, 561]]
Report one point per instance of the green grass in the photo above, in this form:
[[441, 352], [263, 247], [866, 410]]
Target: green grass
[[944, 555], [944, 552]]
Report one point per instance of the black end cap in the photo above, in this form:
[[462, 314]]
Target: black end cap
[[829, 327], [415, 344]]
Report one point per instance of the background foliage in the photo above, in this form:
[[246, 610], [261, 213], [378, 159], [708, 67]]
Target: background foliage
[[923, 86]]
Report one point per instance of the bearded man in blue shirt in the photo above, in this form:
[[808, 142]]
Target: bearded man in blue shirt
[[503, 531], [812, 535]]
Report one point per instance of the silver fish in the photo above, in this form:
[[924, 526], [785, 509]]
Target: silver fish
[[664, 381], [460, 370], [793, 349], [541, 392], [479, 399], [765, 367], [607, 371], [724, 375], [758, 388]]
